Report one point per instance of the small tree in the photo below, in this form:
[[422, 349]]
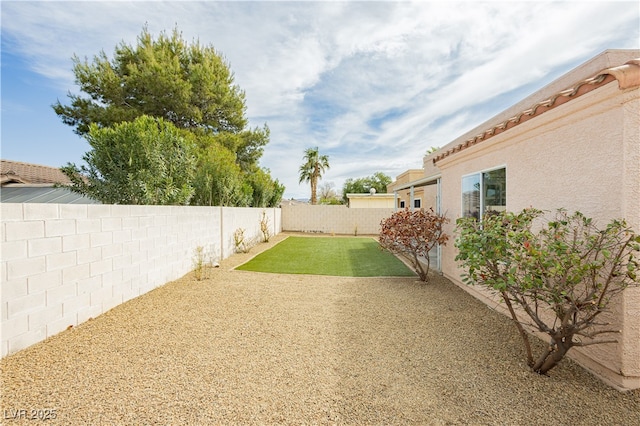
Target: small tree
[[563, 275], [328, 195], [413, 234], [202, 262], [240, 241], [312, 169], [378, 181], [264, 227]]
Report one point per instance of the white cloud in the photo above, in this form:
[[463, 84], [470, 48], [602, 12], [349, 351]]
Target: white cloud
[[374, 84]]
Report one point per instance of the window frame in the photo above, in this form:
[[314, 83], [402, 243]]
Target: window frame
[[480, 174]]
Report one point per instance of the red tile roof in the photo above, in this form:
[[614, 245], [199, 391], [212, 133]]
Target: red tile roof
[[627, 75]]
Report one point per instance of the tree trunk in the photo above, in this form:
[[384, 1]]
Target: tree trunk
[[552, 356], [313, 191], [418, 268], [521, 330]]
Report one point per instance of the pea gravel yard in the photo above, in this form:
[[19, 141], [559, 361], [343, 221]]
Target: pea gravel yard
[[255, 348]]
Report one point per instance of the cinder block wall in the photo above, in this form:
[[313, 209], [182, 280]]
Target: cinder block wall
[[63, 264], [333, 219]]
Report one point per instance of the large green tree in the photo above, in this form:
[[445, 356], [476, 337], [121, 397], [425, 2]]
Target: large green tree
[[189, 85], [312, 168], [377, 181], [146, 161]]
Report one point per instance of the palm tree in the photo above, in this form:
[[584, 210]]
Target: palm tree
[[312, 169]]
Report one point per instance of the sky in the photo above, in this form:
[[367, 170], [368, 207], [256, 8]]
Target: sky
[[373, 85]]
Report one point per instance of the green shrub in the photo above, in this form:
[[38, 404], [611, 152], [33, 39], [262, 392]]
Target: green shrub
[[565, 266]]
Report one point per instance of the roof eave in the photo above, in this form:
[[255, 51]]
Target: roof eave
[[627, 75]]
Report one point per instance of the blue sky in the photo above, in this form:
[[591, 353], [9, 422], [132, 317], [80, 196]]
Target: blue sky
[[374, 85]]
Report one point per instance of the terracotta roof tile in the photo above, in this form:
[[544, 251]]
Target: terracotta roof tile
[[627, 75]]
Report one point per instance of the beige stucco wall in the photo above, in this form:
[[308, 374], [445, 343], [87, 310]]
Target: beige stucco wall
[[366, 201], [404, 195], [583, 155], [333, 219], [405, 177], [430, 193], [425, 193]]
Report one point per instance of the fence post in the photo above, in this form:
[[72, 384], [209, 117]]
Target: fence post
[[221, 233]]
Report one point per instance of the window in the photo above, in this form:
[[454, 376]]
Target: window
[[402, 204], [484, 193], [416, 203], [471, 196]]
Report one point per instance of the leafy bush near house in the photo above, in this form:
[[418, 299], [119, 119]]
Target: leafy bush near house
[[412, 234], [562, 273]]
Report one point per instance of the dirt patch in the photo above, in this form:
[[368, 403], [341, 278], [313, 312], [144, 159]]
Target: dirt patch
[[250, 348]]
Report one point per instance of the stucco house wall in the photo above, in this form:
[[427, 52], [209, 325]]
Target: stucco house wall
[[429, 196], [370, 201], [581, 155], [403, 196]]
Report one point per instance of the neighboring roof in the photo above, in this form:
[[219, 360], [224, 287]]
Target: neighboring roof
[[41, 194], [33, 183], [412, 177], [18, 172], [627, 75], [424, 181]]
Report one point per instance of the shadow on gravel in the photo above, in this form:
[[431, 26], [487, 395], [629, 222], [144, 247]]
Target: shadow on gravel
[[253, 348]]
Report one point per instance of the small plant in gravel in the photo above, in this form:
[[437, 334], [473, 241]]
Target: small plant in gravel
[[413, 234], [562, 273], [240, 241], [202, 262], [264, 227]]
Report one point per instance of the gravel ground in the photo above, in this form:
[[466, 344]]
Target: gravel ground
[[251, 348]]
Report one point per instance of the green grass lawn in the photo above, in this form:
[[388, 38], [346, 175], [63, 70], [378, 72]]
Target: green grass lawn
[[338, 256]]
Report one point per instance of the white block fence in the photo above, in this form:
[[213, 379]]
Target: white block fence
[[62, 264]]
